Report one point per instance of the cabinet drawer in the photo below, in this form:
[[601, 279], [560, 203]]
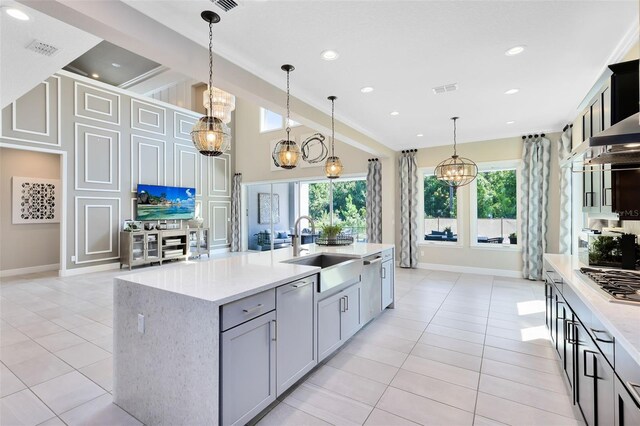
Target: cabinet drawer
[[235, 313]]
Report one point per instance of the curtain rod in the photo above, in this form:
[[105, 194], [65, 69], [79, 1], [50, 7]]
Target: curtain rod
[[405, 151], [533, 136], [372, 159], [238, 174], [564, 129]]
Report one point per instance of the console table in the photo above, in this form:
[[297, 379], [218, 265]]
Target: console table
[[146, 247]]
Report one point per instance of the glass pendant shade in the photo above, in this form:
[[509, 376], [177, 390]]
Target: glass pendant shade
[[211, 136], [333, 167], [456, 171], [223, 104], [286, 154]]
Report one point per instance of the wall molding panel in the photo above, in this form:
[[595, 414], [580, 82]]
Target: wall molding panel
[[110, 140], [141, 166], [82, 93], [88, 159], [148, 117], [108, 230], [219, 222], [16, 117]]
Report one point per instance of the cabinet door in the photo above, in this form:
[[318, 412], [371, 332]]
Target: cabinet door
[[585, 383], [592, 189], [247, 369], [606, 108], [586, 125], [627, 406], [329, 328], [569, 353], [153, 246], [137, 247], [548, 308], [596, 116], [387, 283], [350, 321], [296, 354]]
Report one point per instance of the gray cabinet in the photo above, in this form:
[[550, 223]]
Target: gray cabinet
[[627, 406], [296, 351], [198, 242], [140, 248], [248, 369], [387, 283], [338, 320]]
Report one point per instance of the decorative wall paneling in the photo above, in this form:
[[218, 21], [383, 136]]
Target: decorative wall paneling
[[35, 117], [101, 128]]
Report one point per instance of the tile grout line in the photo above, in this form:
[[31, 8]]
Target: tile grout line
[[475, 405]]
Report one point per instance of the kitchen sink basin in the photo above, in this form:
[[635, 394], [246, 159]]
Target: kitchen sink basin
[[336, 270]]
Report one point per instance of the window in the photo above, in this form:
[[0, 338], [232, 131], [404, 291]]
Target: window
[[440, 211], [349, 204], [270, 121], [496, 206]]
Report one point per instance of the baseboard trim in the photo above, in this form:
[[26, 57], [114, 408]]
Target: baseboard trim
[[471, 270], [29, 270], [88, 269]]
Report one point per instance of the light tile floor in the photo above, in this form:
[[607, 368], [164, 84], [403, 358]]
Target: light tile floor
[[458, 349]]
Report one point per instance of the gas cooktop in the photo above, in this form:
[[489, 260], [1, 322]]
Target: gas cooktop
[[623, 286]]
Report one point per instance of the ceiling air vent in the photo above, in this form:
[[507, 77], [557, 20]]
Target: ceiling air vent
[[225, 5], [446, 88], [42, 48]]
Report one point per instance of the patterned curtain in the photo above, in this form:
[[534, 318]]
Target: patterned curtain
[[535, 193], [566, 214], [408, 209], [235, 212], [374, 201]]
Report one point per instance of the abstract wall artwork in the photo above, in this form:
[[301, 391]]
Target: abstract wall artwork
[[35, 200], [264, 208]]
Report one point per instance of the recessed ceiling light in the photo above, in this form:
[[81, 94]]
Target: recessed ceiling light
[[115, 65], [515, 50], [367, 89], [394, 113], [329, 55], [511, 91], [17, 14], [510, 122], [419, 135], [94, 75]]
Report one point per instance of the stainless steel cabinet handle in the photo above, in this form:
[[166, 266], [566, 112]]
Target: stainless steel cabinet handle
[[371, 262], [347, 299], [594, 361], [342, 304], [384, 272], [605, 199], [300, 284], [570, 332], [274, 330], [595, 334], [252, 310]]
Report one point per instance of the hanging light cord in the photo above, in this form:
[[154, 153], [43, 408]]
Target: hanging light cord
[[333, 129], [455, 154], [288, 110], [211, 67]]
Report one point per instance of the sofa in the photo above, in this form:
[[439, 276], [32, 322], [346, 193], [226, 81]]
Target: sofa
[[263, 239]]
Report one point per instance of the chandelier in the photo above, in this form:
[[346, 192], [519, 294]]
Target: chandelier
[[333, 166], [456, 171], [210, 134], [223, 103], [286, 153]]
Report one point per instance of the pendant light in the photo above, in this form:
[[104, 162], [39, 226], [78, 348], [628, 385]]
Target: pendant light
[[210, 135], [286, 153], [456, 171], [333, 166]]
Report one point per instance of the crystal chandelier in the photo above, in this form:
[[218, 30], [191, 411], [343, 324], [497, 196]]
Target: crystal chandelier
[[333, 166], [286, 153], [223, 103], [210, 134], [456, 171]]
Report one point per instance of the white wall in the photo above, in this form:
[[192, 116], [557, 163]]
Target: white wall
[[28, 245]]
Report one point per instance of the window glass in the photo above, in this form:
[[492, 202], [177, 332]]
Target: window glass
[[497, 209], [269, 120], [440, 211]]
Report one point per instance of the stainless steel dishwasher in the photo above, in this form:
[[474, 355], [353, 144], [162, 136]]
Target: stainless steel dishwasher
[[371, 302]]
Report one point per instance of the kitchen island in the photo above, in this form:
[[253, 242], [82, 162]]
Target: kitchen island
[[217, 341]]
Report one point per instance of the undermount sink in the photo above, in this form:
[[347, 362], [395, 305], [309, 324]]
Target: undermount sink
[[336, 270]]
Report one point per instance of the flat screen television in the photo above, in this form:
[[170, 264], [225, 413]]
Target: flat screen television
[[165, 202]]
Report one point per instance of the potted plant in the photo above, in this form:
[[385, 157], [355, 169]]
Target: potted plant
[[448, 232], [331, 232], [513, 238]]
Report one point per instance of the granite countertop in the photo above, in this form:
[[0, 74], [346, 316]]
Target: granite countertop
[[621, 320], [225, 280]]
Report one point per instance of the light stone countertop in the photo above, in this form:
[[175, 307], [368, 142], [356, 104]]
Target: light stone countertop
[[225, 280], [621, 320]]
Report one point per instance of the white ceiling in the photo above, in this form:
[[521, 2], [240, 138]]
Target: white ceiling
[[22, 69], [405, 48]]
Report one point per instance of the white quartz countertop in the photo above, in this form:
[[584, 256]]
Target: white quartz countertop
[[621, 320], [240, 275]]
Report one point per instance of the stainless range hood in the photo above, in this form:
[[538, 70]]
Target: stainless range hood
[[617, 145]]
